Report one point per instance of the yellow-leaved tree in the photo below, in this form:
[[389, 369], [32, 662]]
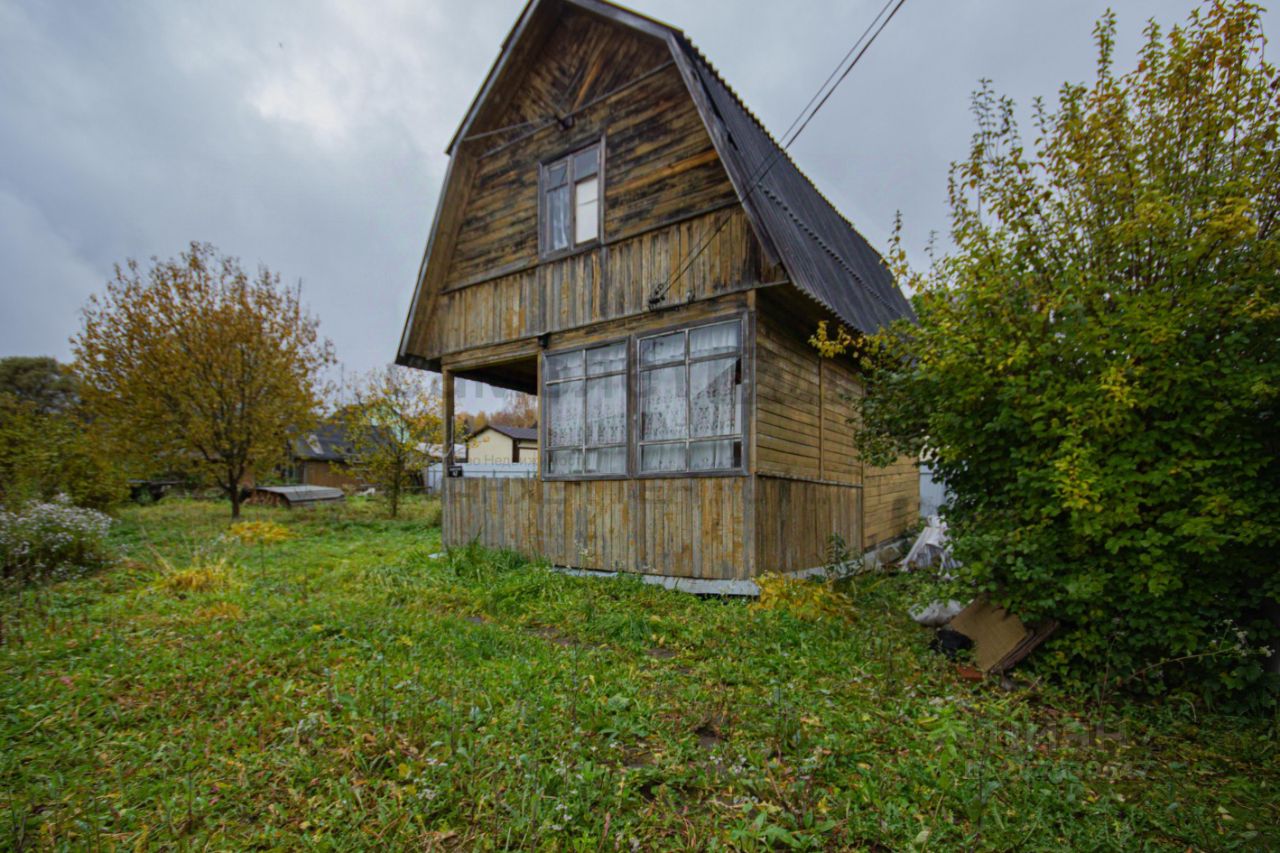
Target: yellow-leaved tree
[[194, 366], [395, 426]]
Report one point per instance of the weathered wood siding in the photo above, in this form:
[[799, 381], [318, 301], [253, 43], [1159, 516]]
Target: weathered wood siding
[[603, 284], [802, 408], [660, 163], [795, 521], [892, 499], [666, 193], [685, 527]]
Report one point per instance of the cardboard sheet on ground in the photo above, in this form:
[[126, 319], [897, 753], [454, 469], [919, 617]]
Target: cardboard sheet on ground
[[1000, 639]]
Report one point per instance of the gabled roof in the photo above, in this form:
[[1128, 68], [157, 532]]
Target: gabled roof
[[326, 443], [823, 254], [821, 251], [516, 433]]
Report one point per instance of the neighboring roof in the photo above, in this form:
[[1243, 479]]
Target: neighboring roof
[[517, 433], [823, 254], [296, 495], [325, 443]]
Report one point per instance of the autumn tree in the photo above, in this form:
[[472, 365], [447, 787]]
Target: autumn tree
[[520, 410], [1096, 368], [194, 365], [393, 423]]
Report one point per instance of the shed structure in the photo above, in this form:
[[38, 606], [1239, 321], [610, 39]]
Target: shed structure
[[618, 235]]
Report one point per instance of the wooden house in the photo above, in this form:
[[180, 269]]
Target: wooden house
[[620, 236], [320, 457], [499, 443]]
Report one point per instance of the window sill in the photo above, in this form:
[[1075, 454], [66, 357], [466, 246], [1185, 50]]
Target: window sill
[[580, 249]]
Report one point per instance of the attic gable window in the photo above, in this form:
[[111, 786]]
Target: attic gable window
[[571, 209]]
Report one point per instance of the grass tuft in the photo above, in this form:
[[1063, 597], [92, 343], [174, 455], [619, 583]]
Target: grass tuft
[[259, 532], [203, 577], [803, 598]]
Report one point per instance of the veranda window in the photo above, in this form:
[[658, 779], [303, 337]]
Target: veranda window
[[586, 411], [690, 399], [571, 200]]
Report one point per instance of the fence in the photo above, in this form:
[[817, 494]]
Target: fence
[[432, 478]]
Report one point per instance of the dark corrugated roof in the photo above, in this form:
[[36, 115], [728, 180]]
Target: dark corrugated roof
[[325, 443], [822, 252], [518, 433]]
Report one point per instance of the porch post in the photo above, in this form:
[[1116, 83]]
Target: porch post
[[446, 463], [446, 390]]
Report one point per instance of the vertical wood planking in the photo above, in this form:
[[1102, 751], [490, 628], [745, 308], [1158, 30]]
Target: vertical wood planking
[[685, 527]]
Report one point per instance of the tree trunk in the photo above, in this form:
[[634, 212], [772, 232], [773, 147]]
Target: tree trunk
[[233, 489]]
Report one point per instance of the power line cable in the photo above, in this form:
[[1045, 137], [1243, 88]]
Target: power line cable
[[803, 122]]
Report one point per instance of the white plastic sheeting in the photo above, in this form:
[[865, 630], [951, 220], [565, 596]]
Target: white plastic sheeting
[[932, 550]]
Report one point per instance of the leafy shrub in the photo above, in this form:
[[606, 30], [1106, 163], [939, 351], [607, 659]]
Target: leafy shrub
[[1095, 372], [811, 600], [259, 532], [52, 541], [45, 454]]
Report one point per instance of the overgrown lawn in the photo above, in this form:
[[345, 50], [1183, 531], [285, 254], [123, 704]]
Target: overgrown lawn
[[347, 688]]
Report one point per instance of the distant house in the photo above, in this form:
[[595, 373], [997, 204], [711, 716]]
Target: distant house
[[497, 443], [321, 457], [620, 236]]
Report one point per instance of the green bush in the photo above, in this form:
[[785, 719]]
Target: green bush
[[1095, 371], [52, 541], [46, 454]]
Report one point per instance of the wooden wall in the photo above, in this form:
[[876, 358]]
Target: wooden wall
[[802, 432], [659, 165], [794, 522], [322, 473], [666, 194], [802, 408], [604, 284], [892, 499], [682, 527]]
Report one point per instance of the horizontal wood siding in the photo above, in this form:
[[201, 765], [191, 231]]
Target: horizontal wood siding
[[803, 407], [788, 436], [795, 521], [840, 385], [683, 527], [892, 498]]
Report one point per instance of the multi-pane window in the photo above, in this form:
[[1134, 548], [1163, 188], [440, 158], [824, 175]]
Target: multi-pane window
[[586, 411], [571, 200], [690, 399]]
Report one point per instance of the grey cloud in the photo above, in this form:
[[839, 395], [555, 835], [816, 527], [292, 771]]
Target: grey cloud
[[310, 136]]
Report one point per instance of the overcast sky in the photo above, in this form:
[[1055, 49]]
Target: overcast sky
[[310, 135]]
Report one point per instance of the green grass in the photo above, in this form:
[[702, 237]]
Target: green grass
[[346, 689]]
